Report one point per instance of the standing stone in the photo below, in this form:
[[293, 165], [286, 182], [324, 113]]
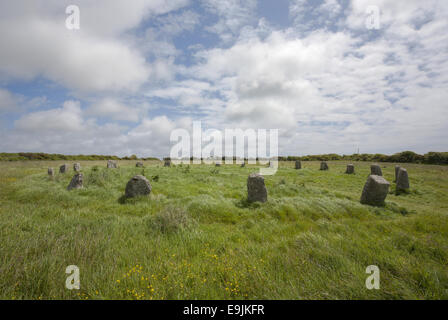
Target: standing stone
[[63, 168], [167, 163], [375, 170], [51, 172], [77, 167], [375, 191], [138, 186], [298, 164], [217, 164], [402, 180], [139, 164], [111, 164], [397, 167], [323, 165], [243, 164], [350, 169], [256, 189], [76, 182]]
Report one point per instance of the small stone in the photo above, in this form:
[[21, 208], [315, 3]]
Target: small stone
[[323, 165], [138, 186], [350, 169], [139, 164], [375, 191], [63, 168], [402, 180], [112, 164], [167, 163], [51, 172], [298, 164], [243, 164], [256, 189], [77, 167], [217, 164], [76, 182], [397, 167], [375, 170]]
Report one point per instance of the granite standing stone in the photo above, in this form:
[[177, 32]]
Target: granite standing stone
[[256, 189], [397, 167], [350, 169], [323, 165], [51, 172], [243, 164], [402, 180], [111, 164], [139, 164], [77, 182], [138, 186], [375, 170], [63, 168], [167, 163], [77, 167], [375, 191], [298, 164]]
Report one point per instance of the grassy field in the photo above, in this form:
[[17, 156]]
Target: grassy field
[[195, 236]]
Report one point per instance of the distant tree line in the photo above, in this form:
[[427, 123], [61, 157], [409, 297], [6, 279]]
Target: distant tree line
[[47, 156], [403, 157]]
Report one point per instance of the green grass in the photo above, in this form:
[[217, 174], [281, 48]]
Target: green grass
[[195, 236]]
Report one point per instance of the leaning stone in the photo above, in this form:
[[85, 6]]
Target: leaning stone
[[375, 191], [256, 189], [397, 168], [350, 169], [375, 170], [167, 163], [138, 186], [111, 164], [76, 182], [402, 180], [51, 172], [139, 164], [323, 165], [298, 164], [77, 167], [63, 168]]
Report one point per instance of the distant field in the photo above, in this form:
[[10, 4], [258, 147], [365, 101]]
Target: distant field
[[195, 236]]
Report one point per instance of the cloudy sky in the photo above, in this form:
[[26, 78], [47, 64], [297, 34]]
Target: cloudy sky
[[136, 70]]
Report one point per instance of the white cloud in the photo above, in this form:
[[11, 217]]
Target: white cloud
[[114, 110]]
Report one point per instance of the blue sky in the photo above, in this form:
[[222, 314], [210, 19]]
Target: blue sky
[[137, 70]]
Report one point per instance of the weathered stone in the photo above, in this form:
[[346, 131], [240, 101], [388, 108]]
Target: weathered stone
[[138, 186], [323, 165], [167, 163], [217, 164], [139, 164], [402, 180], [63, 168], [350, 169], [397, 167], [298, 164], [256, 189], [375, 190], [112, 164], [76, 182], [243, 164], [77, 167], [375, 170], [51, 172]]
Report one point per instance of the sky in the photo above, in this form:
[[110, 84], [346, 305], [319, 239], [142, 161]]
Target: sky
[[137, 70]]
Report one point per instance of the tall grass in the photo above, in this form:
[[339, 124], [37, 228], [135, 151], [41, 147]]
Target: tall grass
[[196, 237]]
